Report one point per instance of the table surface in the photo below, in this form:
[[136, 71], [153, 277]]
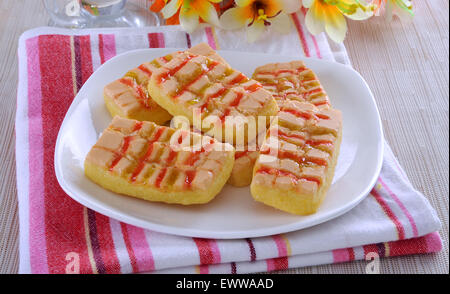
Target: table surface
[[406, 66]]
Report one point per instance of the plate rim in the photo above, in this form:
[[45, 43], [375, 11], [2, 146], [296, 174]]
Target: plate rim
[[188, 232]]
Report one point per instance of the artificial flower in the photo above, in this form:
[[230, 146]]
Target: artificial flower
[[401, 8], [328, 16], [257, 15], [190, 12]]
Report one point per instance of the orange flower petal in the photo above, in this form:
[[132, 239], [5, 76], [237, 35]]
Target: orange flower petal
[[206, 11], [174, 19], [157, 5]]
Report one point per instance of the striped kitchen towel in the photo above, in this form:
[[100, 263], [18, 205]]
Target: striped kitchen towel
[[58, 235]]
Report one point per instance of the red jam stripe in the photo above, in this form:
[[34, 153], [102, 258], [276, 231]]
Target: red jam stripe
[[160, 177], [268, 84], [309, 80], [311, 179], [212, 96], [297, 113], [233, 103], [185, 87], [224, 115], [294, 177], [141, 163], [320, 103], [147, 154], [170, 158], [318, 90], [143, 97], [241, 77], [137, 126], [308, 142], [290, 93], [253, 87], [277, 172], [321, 116], [318, 142], [194, 157], [196, 154], [287, 71], [237, 100], [126, 144], [282, 134], [127, 82], [284, 154], [190, 175], [145, 69], [317, 161], [166, 75], [275, 73], [265, 73]]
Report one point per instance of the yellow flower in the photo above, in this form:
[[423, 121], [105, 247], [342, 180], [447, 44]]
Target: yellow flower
[[328, 16], [257, 15], [191, 11]]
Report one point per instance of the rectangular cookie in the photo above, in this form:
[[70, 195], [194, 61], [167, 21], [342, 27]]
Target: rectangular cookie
[[297, 159], [144, 160], [216, 93], [292, 81], [244, 160], [128, 96], [285, 81]]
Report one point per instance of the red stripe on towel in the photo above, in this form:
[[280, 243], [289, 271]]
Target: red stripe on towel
[[141, 249], [301, 34], [86, 58], [389, 213], [129, 247], [57, 95], [252, 249], [106, 244], [106, 47], [156, 40], [402, 207], [276, 264], [210, 38], [37, 240], [313, 38], [207, 250]]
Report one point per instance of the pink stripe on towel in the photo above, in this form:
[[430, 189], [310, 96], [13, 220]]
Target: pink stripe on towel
[[38, 246]]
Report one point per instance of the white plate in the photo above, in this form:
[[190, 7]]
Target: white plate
[[233, 213]]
